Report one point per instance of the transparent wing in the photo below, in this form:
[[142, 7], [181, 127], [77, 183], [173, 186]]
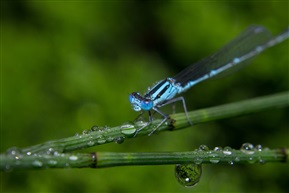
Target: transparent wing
[[247, 41]]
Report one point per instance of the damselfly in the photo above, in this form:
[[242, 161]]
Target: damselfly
[[237, 53]]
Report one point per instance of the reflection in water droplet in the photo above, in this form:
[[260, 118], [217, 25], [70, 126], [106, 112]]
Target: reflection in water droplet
[[188, 175]]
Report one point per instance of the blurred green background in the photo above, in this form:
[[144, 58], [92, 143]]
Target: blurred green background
[[69, 65]]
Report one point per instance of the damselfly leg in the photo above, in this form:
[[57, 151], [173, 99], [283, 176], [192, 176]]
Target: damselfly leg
[[165, 116]]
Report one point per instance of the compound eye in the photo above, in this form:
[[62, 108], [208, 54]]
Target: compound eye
[[134, 100], [146, 105], [132, 97]]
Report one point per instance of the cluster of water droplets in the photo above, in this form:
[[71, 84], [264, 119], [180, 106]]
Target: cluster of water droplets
[[251, 154], [16, 155], [99, 135], [189, 175], [254, 152], [97, 139]]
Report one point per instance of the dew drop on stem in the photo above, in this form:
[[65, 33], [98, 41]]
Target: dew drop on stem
[[119, 140], [247, 148], [188, 175]]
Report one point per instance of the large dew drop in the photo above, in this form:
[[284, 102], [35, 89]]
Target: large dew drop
[[128, 129], [188, 175]]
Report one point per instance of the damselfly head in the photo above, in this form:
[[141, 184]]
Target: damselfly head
[[140, 103]]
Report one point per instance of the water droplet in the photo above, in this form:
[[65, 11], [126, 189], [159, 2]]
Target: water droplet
[[95, 128], [73, 158], [106, 128], [203, 148], [84, 132], [227, 150], [214, 158], [188, 175], [14, 152], [52, 162], [231, 162], [90, 143], [141, 124], [218, 149], [52, 151], [119, 140], [261, 161], [128, 129], [7, 168], [109, 139], [247, 148], [28, 153], [37, 163], [252, 159], [127, 125], [198, 160], [237, 159], [101, 140], [258, 147]]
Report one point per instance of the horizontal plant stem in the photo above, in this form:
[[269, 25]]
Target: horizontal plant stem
[[102, 135], [109, 159], [231, 110]]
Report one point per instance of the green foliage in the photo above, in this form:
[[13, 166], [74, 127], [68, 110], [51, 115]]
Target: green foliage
[[66, 66]]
